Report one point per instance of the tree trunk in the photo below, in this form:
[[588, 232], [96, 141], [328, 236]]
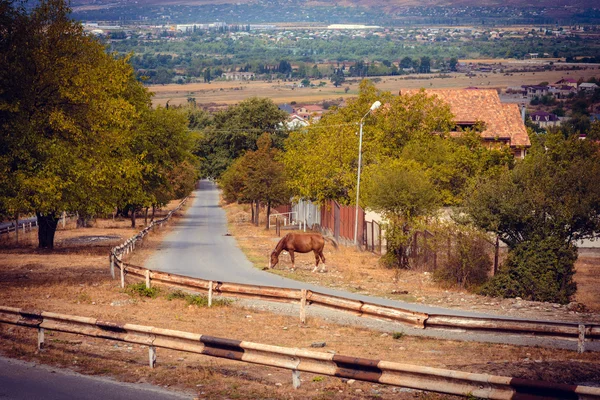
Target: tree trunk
[[153, 211], [252, 209], [257, 212], [146, 217], [268, 213], [17, 226], [46, 229], [133, 217]]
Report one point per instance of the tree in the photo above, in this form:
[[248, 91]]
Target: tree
[[402, 192], [337, 78], [322, 161], [66, 107], [425, 65], [236, 130], [257, 177], [550, 200], [163, 145]]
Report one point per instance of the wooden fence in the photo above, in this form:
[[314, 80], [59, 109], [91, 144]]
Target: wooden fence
[[298, 360]]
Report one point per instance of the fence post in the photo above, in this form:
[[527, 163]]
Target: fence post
[[112, 265], [379, 239], [40, 340], [152, 356], [210, 286], [303, 306], [122, 268], [295, 378], [147, 273], [581, 340]]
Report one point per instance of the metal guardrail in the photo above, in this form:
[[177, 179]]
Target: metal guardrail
[[564, 330], [579, 332], [299, 360]]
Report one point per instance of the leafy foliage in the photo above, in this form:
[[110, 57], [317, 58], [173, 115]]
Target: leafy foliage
[[540, 270], [236, 130], [257, 176], [73, 119], [468, 261], [541, 208]]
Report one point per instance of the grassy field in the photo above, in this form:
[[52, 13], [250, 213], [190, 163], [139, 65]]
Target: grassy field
[[231, 92], [75, 279]]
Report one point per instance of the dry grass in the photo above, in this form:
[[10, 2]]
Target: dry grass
[[231, 92], [361, 272], [75, 279]]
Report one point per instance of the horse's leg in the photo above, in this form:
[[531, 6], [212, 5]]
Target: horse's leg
[[316, 260], [293, 259], [323, 259]]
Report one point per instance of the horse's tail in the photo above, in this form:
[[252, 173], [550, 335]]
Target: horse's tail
[[333, 242]]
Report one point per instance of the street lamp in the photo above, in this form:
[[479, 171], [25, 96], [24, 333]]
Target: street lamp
[[374, 106]]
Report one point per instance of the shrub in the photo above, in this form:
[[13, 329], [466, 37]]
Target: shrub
[[398, 335], [539, 270], [141, 290], [468, 261], [196, 300]]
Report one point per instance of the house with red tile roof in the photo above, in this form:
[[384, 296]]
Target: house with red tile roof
[[502, 122]]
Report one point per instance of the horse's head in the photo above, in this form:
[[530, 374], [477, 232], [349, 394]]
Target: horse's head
[[274, 259]]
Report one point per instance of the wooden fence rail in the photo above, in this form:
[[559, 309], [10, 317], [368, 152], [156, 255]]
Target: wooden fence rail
[[297, 360]]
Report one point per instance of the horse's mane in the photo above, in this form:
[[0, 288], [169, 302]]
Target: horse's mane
[[280, 244]]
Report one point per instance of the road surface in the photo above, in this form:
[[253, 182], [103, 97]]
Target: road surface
[[20, 380], [199, 247]]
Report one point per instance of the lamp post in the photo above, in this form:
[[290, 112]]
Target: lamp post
[[374, 106]]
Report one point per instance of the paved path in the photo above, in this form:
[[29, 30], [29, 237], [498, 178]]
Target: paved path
[[198, 247], [20, 380]]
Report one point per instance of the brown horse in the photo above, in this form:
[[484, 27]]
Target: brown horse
[[301, 243]]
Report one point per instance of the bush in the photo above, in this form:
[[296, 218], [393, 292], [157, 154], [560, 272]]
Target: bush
[[468, 263], [196, 300], [537, 270], [141, 290]]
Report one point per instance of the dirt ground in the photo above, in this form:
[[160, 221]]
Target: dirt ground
[[360, 272], [231, 92], [75, 279]]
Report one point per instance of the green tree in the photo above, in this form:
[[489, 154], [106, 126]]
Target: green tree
[[337, 78], [257, 177], [551, 200], [322, 161], [66, 107], [402, 192], [163, 144], [236, 130]]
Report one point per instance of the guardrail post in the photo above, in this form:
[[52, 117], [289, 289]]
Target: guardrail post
[[152, 356], [147, 273], [112, 265], [210, 286], [296, 378], [581, 340], [40, 341], [122, 268], [303, 306]]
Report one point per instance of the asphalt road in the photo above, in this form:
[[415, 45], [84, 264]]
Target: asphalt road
[[199, 247], [20, 380]]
